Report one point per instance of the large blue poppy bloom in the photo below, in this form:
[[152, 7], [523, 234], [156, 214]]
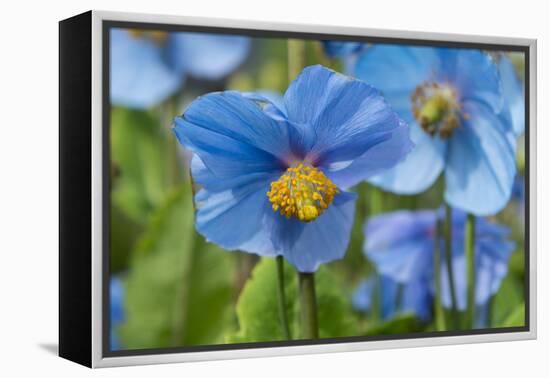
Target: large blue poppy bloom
[[116, 313], [149, 66], [407, 256], [453, 100], [273, 180]]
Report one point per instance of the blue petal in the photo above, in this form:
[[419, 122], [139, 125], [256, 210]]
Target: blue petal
[[139, 78], [481, 164], [232, 219], [348, 117], [492, 253], [116, 290], [341, 49], [419, 169], [363, 295], [417, 298], [404, 256], [513, 92], [308, 245], [207, 56], [474, 75], [396, 71], [233, 136], [377, 159]]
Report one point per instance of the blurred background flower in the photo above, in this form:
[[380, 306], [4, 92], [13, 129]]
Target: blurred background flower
[[407, 258], [149, 66], [452, 98]]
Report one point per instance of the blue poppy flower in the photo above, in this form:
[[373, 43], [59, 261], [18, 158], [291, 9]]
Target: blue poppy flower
[[117, 313], [414, 297], [407, 256], [452, 99], [149, 66], [273, 181], [341, 49]]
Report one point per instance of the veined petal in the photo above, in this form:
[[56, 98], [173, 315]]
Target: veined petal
[[376, 159], [348, 116], [233, 136], [481, 164], [419, 169], [232, 219], [308, 245], [139, 78], [207, 56]]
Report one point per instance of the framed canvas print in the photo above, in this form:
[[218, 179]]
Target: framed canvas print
[[236, 189]]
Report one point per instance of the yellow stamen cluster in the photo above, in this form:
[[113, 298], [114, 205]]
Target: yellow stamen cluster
[[303, 192], [436, 108]]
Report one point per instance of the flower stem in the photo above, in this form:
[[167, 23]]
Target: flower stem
[[282, 298], [439, 313], [469, 253], [448, 234], [308, 305], [296, 58]]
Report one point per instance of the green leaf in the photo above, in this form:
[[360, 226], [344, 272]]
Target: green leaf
[[506, 301], [178, 288], [516, 317], [258, 312], [400, 324], [139, 154]]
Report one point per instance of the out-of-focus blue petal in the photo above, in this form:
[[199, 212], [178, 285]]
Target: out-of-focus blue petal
[[513, 92], [415, 297], [348, 117], [396, 70], [207, 56], [308, 245], [233, 136], [117, 312], [341, 49], [405, 255], [139, 78], [363, 295], [474, 75], [419, 169], [492, 252], [481, 163]]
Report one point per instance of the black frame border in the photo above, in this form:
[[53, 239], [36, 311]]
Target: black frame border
[[107, 25]]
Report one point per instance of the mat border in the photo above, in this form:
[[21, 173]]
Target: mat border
[[101, 357]]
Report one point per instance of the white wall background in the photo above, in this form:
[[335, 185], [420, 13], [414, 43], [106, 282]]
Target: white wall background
[[29, 174]]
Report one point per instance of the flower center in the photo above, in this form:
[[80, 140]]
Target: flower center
[[157, 37], [436, 108], [303, 192]]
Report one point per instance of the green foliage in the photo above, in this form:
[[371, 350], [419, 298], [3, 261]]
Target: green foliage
[[139, 156], [399, 324], [506, 304], [258, 312], [124, 234], [178, 287]]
